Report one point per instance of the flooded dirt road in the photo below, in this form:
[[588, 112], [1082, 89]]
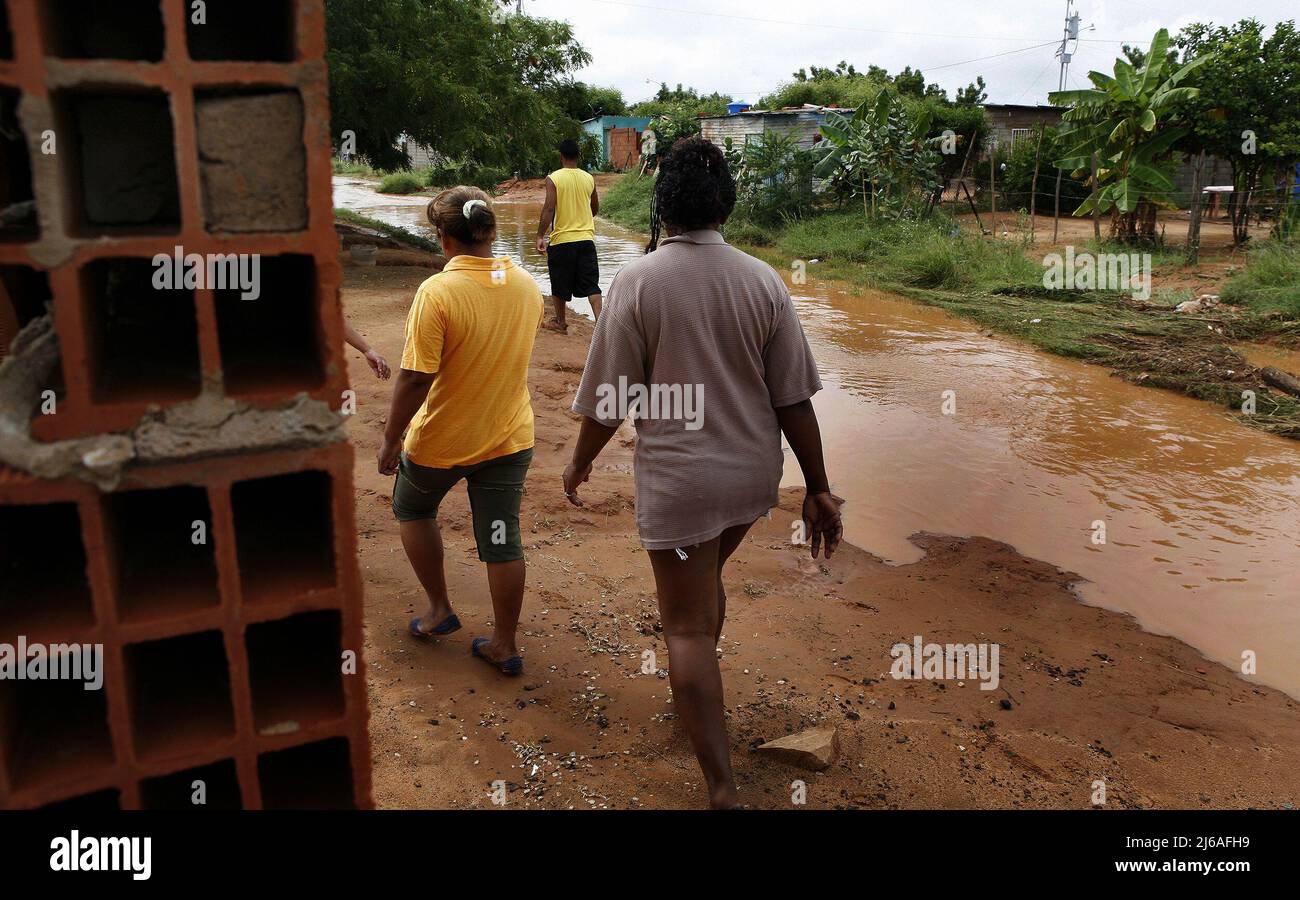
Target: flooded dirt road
[[1169, 510], [516, 231]]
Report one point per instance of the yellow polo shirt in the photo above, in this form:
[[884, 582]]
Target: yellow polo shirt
[[573, 218], [473, 324]]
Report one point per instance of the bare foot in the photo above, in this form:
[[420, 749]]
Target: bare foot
[[558, 327], [724, 796]]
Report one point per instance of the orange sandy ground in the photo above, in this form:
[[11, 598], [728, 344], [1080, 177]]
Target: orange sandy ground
[[1092, 696]]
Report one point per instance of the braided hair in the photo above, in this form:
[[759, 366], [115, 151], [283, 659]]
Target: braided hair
[[693, 189]]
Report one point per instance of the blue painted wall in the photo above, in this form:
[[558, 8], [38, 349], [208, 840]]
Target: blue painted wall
[[600, 126]]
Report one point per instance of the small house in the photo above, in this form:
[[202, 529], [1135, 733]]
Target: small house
[[620, 139], [746, 126], [1011, 122]]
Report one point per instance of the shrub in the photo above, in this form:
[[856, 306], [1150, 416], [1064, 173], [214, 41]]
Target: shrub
[[774, 178], [400, 183], [1017, 179], [452, 171]]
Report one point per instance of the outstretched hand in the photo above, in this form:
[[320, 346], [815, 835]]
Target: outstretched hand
[[821, 520]]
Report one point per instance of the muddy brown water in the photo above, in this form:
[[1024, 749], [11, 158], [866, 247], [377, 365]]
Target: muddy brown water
[[1200, 514]]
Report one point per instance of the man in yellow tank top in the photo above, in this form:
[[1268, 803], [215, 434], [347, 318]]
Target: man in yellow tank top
[[567, 235]]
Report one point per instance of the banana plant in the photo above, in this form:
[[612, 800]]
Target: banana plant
[[1125, 122], [881, 153]]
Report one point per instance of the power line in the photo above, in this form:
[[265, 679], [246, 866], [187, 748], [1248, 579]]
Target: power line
[[835, 27], [990, 56]]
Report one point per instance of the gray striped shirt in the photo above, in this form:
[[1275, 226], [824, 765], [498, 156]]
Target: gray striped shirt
[[711, 337]]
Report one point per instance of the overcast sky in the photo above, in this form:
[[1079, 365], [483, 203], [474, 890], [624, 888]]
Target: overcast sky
[[746, 48]]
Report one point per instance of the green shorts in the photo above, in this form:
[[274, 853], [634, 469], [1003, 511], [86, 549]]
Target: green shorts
[[496, 486]]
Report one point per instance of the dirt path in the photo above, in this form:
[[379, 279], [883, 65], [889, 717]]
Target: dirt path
[[533, 190], [1090, 695]]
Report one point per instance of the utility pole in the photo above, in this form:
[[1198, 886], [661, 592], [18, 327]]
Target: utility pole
[[1063, 53], [1071, 33]]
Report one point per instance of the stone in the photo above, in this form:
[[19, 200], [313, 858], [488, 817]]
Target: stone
[[813, 749], [252, 162]]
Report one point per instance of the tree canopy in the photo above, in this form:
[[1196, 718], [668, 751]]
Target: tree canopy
[[1248, 108], [461, 76], [680, 101]]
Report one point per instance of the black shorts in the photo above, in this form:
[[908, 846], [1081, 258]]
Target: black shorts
[[573, 269]]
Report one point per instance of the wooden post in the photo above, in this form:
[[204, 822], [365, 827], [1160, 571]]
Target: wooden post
[[1096, 215], [961, 176], [1194, 217], [971, 200], [993, 196], [1033, 185], [1056, 214]]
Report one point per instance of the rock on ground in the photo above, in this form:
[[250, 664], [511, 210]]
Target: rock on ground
[[813, 749]]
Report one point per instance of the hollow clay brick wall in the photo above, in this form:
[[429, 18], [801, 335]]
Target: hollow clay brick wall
[[223, 660]]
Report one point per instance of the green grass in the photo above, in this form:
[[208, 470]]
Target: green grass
[[356, 167], [912, 254], [1269, 283], [400, 183], [396, 232], [627, 203]]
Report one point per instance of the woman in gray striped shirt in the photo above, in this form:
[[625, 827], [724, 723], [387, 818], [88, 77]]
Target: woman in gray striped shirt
[[700, 343]]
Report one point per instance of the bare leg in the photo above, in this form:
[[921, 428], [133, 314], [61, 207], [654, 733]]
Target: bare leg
[[506, 581], [728, 542], [687, 591], [559, 320], [594, 300], [422, 541]]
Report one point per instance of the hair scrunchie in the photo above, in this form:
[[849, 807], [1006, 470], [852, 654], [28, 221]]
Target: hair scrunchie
[[469, 207]]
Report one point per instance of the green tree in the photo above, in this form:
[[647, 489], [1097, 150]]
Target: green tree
[[672, 102], [1128, 124], [456, 75], [846, 88], [1248, 108], [973, 94]]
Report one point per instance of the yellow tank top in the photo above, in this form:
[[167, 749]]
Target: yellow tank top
[[573, 219]]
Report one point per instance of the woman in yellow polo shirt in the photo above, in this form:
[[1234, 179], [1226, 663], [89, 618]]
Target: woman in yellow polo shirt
[[463, 391]]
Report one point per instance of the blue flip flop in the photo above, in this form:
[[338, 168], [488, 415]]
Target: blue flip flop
[[446, 626], [512, 666]]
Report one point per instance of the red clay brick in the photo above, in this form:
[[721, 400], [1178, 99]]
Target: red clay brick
[[68, 242], [222, 659]]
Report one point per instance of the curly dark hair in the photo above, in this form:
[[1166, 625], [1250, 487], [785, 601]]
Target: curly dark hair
[[694, 189]]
